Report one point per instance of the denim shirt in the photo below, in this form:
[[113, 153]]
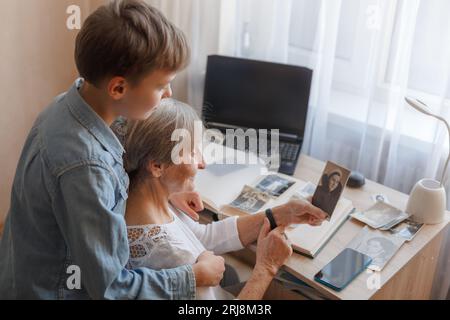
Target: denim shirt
[[66, 225]]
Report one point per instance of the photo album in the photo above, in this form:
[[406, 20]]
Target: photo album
[[243, 189], [235, 189]]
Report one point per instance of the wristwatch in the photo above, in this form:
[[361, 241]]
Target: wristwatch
[[269, 215]]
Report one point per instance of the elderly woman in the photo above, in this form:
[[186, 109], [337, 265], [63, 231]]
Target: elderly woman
[[160, 237]]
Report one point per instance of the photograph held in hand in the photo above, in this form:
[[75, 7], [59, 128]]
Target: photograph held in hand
[[330, 187]]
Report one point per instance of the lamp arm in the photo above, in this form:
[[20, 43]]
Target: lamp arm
[[448, 158]]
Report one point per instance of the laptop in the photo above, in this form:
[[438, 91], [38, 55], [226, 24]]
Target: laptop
[[243, 93]]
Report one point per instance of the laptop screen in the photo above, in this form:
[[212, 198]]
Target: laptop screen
[[256, 94]]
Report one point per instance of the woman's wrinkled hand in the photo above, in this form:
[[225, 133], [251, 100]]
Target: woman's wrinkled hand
[[273, 249], [298, 211]]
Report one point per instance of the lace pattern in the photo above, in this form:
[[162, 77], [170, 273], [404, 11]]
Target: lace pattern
[[142, 239]]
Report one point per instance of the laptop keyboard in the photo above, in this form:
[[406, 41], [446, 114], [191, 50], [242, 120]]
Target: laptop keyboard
[[288, 151]]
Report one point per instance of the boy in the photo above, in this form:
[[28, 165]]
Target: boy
[[68, 198]]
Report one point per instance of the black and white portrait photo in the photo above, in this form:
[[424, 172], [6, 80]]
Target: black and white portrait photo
[[380, 246], [331, 185]]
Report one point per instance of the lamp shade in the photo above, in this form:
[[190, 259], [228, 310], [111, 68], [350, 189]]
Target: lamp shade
[[427, 202]]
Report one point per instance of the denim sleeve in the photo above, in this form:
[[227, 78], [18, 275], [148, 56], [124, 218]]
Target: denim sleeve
[[97, 241]]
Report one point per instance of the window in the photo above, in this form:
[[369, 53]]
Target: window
[[362, 74]]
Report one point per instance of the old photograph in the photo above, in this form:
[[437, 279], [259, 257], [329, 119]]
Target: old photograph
[[331, 185], [378, 245], [274, 185], [250, 200], [407, 229], [381, 215]]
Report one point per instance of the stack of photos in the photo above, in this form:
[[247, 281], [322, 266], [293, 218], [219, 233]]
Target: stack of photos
[[252, 199], [378, 245], [381, 216]]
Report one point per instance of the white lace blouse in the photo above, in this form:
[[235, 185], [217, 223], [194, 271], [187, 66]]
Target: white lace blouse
[[180, 242]]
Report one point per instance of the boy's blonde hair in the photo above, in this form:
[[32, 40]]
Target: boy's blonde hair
[[151, 139], [128, 38]]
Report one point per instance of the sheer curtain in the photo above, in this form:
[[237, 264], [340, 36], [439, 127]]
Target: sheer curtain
[[367, 55], [200, 21]]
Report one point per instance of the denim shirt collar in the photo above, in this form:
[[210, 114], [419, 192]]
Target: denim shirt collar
[[92, 122]]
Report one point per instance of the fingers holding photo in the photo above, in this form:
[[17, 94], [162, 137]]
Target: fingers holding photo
[[316, 212], [314, 222], [298, 211], [302, 207]]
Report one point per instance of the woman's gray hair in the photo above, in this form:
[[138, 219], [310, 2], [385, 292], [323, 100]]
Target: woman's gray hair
[[151, 139]]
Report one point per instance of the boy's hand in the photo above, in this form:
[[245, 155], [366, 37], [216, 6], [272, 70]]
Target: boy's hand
[[208, 270], [188, 202]]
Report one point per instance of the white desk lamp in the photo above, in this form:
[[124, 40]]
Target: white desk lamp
[[427, 201]]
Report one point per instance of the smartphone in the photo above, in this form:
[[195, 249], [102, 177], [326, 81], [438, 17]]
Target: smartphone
[[343, 269]]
